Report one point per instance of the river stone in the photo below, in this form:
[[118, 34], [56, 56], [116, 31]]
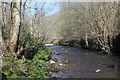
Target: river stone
[[54, 59], [52, 62], [98, 70], [60, 64], [57, 53]]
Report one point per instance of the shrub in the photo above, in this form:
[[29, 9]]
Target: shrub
[[33, 66], [19, 68]]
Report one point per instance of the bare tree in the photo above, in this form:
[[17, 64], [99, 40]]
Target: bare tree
[[96, 20], [2, 22], [16, 25]]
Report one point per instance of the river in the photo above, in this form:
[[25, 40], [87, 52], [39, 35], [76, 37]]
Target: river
[[85, 64]]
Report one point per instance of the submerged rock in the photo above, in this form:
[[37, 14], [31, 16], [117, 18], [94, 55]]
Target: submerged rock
[[71, 75], [57, 53], [111, 66]]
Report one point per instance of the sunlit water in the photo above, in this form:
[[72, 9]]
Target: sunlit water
[[84, 63]]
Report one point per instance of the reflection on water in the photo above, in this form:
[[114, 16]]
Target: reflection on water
[[84, 63]]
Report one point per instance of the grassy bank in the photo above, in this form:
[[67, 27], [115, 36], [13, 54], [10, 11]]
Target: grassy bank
[[25, 68], [30, 63]]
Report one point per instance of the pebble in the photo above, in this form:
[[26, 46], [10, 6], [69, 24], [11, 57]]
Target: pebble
[[52, 62], [98, 70], [60, 64]]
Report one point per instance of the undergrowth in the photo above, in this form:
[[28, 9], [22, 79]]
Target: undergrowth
[[33, 66]]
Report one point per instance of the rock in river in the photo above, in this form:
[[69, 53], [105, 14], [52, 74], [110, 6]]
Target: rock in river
[[57, 53], [111, 66], [61, 64], [52, 62], [98, 70]]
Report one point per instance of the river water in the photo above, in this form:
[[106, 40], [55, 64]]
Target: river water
[[84, 63]]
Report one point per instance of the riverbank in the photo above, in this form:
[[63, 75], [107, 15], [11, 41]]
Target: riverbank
[[93, 45]]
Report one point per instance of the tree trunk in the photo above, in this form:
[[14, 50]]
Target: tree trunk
[[86, 37], [15, 25], [3, 23], [2, 45], [86, 40]]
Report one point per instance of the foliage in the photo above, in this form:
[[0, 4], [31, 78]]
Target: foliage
[[19, 68], [30, 45], [33, 65]]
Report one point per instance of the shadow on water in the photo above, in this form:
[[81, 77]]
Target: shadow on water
[[84, 63]]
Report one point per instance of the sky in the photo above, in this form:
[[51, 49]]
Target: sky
[[55, 3], [56, 8], [47, 7], [64, 0]]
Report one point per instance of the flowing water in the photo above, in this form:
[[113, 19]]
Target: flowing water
[[84, 63]]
